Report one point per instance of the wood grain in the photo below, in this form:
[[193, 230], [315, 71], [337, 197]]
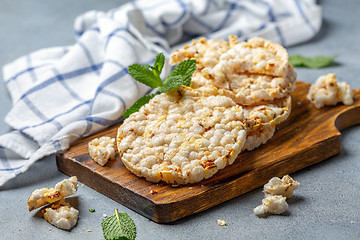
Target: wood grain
[[307, 137]]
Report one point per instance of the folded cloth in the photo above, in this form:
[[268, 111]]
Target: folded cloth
[[62, 94]]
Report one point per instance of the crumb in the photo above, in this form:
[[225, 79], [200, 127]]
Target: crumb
[[104, 215], [82, 185], [273, 204], [327, 91], [89, 230], [102, 149], [190, 188], [44, 196], [284, 187], [61, 215], [221, 222], [50, 229], [276, 191]]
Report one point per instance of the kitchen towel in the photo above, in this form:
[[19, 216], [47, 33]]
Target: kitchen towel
[[65, 93]]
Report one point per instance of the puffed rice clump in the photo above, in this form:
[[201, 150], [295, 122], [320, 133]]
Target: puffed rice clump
[[327, 91], [102, 149], [273, 204], [276, 192], [284, 186], [41, 197], [61, 215]]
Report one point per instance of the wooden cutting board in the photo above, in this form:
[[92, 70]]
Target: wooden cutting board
[[307, 137]]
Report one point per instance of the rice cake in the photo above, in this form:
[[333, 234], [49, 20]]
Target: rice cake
[[183, 136], [262, 120], [206, 51], [235, 68], [257, 55], [268, 113], [245, 88]]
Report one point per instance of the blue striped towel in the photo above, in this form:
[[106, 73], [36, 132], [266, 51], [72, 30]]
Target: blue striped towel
[[62, 94]]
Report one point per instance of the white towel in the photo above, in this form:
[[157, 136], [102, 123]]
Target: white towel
[[62, 94]]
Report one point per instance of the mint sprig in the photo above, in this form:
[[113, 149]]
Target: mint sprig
[[119, 226], [150, 76], [138, 104], [172, 82], [185, 69], [159, 62], [145, 74], [314, 62]]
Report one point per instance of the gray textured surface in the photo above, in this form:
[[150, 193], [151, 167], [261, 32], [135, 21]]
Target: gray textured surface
[[326, 206]]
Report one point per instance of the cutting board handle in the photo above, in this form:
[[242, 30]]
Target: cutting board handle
[[349, 115]]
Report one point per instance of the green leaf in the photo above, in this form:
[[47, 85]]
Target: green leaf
[[159, 62], [92, 210], [171, 83], [138, 104], [143, 74], [119, 227], [150, 75], [185, 69], [315, 62]]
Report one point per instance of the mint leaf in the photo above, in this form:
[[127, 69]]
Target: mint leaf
[[159, 62], [150, 75], [315, 62], [185, 69], [92, 210], [143, 74], [172, 82], [119, 226], [137, 105]]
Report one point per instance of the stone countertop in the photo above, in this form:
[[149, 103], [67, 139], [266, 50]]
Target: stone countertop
[[326, 206]]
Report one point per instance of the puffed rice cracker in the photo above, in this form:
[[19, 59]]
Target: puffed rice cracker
[[182, 137], [230, 66], [263, 119], [257, 55]]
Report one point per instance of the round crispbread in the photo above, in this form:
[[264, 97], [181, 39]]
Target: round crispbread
[[183, 136], [248, 72], [246, 88], [262, 120]]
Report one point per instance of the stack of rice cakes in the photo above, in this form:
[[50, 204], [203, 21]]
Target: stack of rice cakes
[[238, 94]]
